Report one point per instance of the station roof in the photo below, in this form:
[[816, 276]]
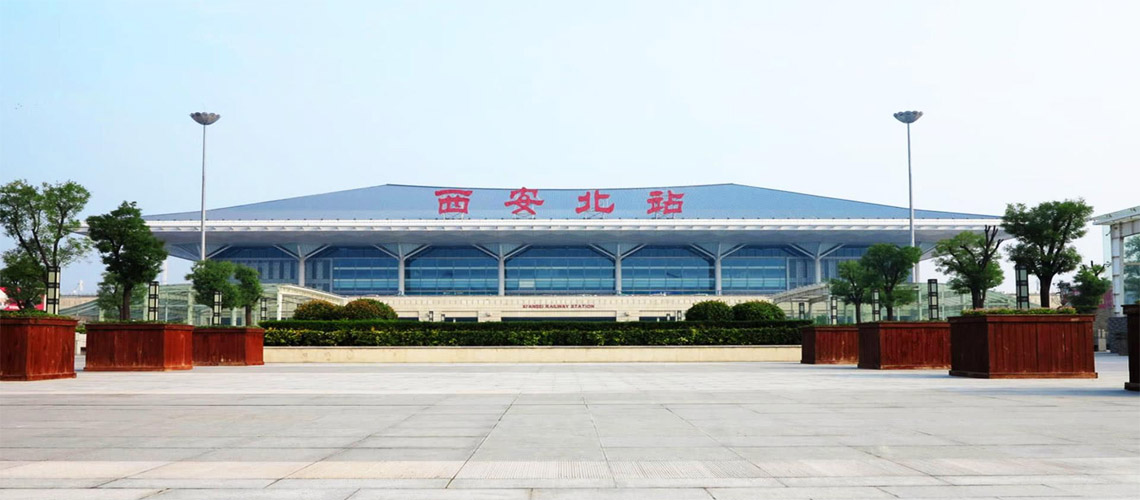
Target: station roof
[[713, 201]]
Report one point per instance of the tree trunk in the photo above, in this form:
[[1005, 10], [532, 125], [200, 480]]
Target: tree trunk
[[125, 306], [248, 316], [890, 312], [978, 298], [1046, 284], [858, 312]]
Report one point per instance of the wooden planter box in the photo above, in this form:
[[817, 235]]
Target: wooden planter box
[[904, 345], [1022, 346], [37, 348], [229, 346], [830, 345], [139, 347], [1133, 314]]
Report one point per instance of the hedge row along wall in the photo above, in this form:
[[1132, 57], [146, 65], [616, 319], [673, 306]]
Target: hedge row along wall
[[568, 333]]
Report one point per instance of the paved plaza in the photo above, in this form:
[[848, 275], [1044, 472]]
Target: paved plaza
[[606, 431]]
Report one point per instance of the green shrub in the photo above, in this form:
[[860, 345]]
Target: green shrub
[[756, 310], [367, 309], [1006, 311], [318, 310], [709, 310]]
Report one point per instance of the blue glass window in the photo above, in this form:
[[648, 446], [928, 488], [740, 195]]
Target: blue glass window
[[755, 270], [353, 271], [830, 263], [671, 270], [554, 270], [452, 271], [272, 264]]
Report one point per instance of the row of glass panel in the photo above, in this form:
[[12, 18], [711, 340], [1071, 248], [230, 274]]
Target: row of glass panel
[[536, 270]]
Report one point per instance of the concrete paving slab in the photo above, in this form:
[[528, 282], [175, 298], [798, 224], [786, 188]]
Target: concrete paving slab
[[575, 429], [74, 494]]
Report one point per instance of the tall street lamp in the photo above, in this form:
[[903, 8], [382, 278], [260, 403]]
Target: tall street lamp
[[909, 117], [204, 119]]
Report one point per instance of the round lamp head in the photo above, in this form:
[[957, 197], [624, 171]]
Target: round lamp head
[[205, 118], [908, 116]]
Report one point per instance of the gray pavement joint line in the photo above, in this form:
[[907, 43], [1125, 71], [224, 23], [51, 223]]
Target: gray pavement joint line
[[484, 440], [338, 450], [598, 435], [354, 493], [710, 436]]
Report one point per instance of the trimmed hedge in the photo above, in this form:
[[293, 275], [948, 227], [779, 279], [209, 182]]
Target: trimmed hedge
[[1008, 311], [709, 310], [755, 310], [367, 309], [563, 333]]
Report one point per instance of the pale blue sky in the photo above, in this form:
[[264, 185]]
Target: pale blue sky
[[1024, 101]]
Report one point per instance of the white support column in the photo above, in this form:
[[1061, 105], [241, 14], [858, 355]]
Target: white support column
[[617, 274], [716, 271], [400, 260], [301, 271], [280, 303], [502, 274], [818, 269], [1116, 252]]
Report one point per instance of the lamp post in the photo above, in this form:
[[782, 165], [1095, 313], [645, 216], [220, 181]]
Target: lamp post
[[216, 317], [909, 117], [152, 302], [1021, 275], [204, 119], [51, 297], [875, 314], [932, 299]]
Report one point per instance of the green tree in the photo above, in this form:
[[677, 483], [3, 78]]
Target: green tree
[[888, 267], [1089, 288], [1044, 234], [42, 221], [209, 276], [22, 278], [709, 310], [853, 286], [130, 252], [971, 261], [248, 290], [109, 295]]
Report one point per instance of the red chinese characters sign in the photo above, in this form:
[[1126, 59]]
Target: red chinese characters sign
[[456, 202], [523, 199], [596, 206], [453, 201], [665, 203]]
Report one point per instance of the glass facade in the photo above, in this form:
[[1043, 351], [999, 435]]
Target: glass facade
[[830, 263], [273, 265], [669, 270], [544, 270], [559, 270], [452, 271], [755, 270], [353, 271]]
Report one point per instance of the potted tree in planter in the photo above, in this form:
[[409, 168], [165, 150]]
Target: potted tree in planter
[[228, 345], [1038, 343], [894, 344], [42, 221], [839, 344], [133, 257]]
